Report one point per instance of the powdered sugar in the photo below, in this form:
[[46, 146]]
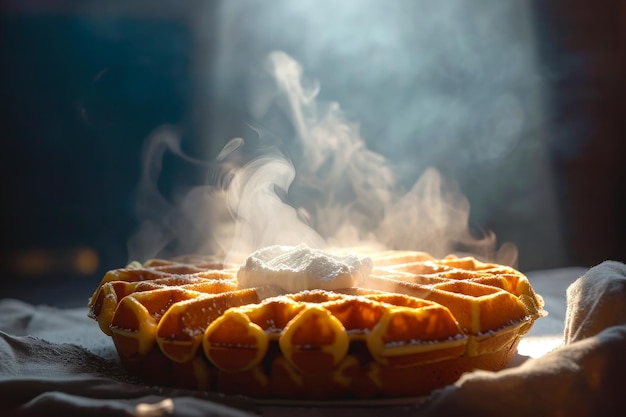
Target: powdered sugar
[[299, 268]]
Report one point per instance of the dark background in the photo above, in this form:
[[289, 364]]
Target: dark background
[[82, 89]]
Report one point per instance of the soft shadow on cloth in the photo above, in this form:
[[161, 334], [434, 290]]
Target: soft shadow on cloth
[[57, 362]]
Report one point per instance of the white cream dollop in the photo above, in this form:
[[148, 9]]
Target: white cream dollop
[[299, 268]]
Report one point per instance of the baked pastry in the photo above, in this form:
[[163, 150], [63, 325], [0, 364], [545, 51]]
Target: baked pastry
[[298, 323]]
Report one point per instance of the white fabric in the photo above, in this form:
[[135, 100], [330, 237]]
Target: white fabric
[[58, 362]]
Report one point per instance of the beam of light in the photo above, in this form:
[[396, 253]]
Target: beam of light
[[453, 85], [537, 346]]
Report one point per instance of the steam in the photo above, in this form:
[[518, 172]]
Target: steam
[[342, 185], [194, 219], [262, 218], [318, 184], [434, 217]]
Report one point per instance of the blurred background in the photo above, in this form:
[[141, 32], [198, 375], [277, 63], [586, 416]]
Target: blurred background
[[520, 102]]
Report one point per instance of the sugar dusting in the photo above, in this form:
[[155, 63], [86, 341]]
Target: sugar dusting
[[299, 268]]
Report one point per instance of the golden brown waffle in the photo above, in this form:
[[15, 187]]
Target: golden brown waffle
[[414, 325]]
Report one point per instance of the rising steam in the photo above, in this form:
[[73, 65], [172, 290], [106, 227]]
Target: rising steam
[[319, 185]]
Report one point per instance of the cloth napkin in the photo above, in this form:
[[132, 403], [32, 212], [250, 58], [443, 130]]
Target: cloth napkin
[[58, 362]]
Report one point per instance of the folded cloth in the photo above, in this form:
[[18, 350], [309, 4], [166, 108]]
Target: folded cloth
[[584, 377], [58, 362], [596, 301]]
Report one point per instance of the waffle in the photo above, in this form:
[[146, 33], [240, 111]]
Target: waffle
[[415, 324]]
